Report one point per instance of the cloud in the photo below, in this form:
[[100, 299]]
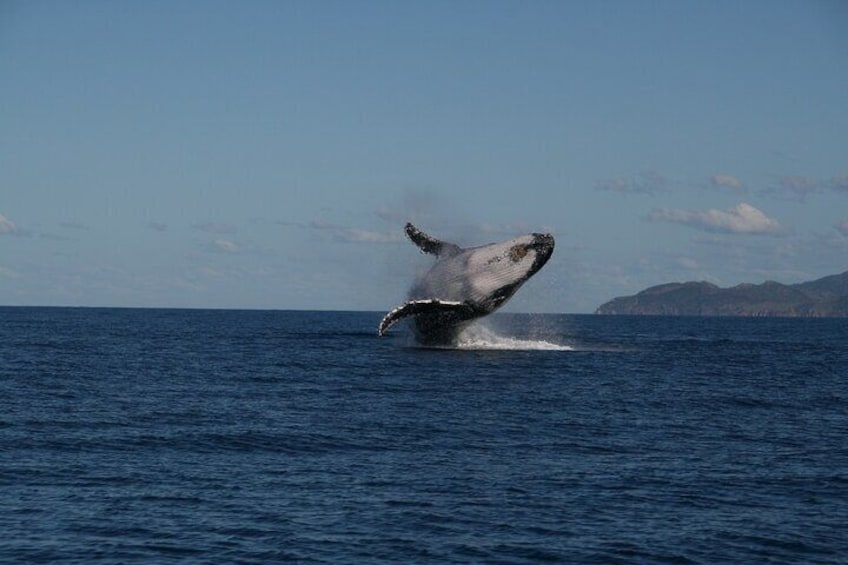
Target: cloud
[[10, 274], [225, 246], [842, 227], [392, 216], [727, 181], [354, 235], [742, 219], [798, 186], [7, 226], [74, 226], [839, 184], [157, 226], [650, 182], [687, 263], [216, 228]]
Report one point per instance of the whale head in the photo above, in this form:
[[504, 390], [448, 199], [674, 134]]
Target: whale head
[[496, 271]]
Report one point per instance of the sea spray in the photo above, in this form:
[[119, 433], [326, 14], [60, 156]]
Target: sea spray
[[479, 336]]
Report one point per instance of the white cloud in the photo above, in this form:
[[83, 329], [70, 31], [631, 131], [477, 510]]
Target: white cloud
[[799, 186], [9, 273], [216, 228], [392, 216], [727, 181], [743, 218], [288, 224], [687, 263], [839, 184], [225, 246], [650, 182], [7, 226], [364, 236], [74, 226], [793, 187], [354, 235]]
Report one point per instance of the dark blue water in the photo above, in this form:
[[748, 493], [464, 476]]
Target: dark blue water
[[255, 437]]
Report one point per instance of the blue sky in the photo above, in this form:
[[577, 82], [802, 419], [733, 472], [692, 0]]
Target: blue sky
[[266, 154]]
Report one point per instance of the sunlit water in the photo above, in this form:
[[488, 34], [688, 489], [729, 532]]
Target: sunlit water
[[255, 437]]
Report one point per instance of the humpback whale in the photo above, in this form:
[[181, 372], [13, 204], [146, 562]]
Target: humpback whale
[[465, 284]]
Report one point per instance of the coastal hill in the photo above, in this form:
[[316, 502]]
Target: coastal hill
[[825, 297]]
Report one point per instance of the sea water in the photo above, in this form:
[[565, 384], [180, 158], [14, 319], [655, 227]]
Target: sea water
[[273, 436]]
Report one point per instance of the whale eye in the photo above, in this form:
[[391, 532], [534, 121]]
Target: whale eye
[[517, 253]]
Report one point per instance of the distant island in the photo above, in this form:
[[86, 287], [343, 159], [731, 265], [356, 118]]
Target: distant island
[[825, 297]]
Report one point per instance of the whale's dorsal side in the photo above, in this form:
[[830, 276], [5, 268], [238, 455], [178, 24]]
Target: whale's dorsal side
[[429, 244], [416, 307]]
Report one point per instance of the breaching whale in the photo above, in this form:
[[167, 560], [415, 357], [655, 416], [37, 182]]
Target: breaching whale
[[464, 284]]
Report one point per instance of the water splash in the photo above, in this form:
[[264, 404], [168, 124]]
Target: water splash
[[479, 337]]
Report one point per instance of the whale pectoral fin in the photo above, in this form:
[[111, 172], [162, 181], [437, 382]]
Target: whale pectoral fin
[[429, 244], [416, 307]]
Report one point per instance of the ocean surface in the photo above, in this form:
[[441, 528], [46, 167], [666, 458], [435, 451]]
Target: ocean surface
[[202, 436]]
